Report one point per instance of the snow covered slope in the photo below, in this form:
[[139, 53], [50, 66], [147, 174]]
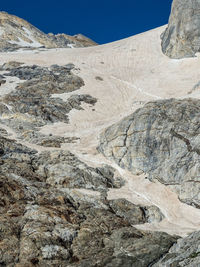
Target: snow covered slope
[[123, 76]]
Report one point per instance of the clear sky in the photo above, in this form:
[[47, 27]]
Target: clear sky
[[102, 20]]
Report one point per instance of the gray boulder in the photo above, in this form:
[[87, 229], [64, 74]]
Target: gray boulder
[[162, 140], [185, 253], [182, 36]]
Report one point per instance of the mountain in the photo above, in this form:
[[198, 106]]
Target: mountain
[[99, 155], [17, 33], [182, 36]]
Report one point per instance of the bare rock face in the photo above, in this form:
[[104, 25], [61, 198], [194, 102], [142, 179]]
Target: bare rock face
[[16, 33], [182, 36], [185, 253], [162, 140], [46, 221], [65, 40], [54, 209]]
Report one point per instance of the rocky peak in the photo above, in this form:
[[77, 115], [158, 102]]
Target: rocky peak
[[17, 33], [182, 36]]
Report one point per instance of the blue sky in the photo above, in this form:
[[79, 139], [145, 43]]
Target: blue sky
[[102, 20]]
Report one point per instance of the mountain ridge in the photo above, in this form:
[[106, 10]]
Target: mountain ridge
[[16, 33]]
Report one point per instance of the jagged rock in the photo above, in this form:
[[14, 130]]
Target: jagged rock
[[17, 33], [161, 139], [3, 132], [113, 243], [47, 226], [182, 36], [33, 97], [64, 40], [59, 74], [10, 65], [55, 141], [3, 109], [63, 169], [185, 253], [135, 214], [153, 214], [2, 80], [35, 137]]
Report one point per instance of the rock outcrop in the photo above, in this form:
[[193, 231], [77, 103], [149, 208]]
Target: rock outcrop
[[182, 36], [63, 204], [162, 140], [185, 253], [46, 221], [31, 104], [16, 33]]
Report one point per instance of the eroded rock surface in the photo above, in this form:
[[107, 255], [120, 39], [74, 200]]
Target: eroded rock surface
[[182, 36], [44, 221], [32, 104], [16, 33], [162, 140], [185, 253]]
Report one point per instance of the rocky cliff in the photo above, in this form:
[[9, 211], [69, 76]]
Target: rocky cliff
[[62, 203], [161, 140], [17, 33], [45, 218], [182, 36]]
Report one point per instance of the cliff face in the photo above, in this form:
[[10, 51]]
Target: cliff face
[[17, 33], [45, 218], [162, 140], [62, 203], [182, 36]]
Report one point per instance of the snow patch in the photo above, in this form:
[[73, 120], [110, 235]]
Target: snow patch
[[23, 43], [71, 45], [31, 37]]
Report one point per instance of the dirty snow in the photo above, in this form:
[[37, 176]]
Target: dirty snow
[[133, 71]]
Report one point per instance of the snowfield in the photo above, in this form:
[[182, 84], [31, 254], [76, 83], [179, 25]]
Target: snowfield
[[133, 71]]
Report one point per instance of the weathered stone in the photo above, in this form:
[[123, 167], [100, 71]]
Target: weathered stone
[[44, 224], [17, 33], [2, 80], [182, 36], [185, 253], [63, 170], [135, 214], [113, 243], [33, 97], [161, 139], [3, 132], [3, 109], [10, 65]]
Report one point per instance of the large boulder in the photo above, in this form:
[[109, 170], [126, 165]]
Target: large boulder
[[185, 253], [161, 139], [182, 36]]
